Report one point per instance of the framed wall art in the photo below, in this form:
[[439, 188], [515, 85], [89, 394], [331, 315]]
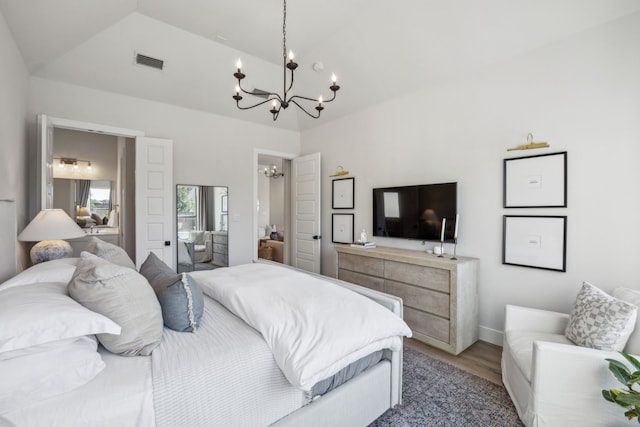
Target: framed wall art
[[342, 193], [538, 181], [342, 228], [535, 241]]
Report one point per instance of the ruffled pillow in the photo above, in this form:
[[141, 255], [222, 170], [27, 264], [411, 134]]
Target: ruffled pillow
[[180, 297]]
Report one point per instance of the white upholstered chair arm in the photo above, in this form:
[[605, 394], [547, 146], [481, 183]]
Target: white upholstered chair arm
[[532, 319], [566, 384]]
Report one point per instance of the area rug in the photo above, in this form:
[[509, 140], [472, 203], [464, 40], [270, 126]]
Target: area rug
[[436, 393]]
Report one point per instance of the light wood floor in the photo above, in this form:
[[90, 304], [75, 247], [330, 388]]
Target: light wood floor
[[481, 359]]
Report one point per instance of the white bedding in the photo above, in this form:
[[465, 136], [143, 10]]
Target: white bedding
[[222, 375], [121, 395], [313, 327]]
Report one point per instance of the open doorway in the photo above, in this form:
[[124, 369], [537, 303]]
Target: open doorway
[[273, 207]]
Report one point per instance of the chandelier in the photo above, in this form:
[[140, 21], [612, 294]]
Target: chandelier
[[279, 102], [273, 173]]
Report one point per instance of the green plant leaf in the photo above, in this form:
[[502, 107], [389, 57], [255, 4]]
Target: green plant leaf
[[619, 371], [628, 399], [631, 359], [632, 413], [607, 395]]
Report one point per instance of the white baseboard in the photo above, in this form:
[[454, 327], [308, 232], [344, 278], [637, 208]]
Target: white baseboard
[[492, 336]]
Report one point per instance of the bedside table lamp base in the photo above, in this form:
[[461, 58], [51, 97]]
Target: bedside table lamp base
[[48, 250]]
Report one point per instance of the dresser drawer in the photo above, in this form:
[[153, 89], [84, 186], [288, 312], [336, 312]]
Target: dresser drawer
[[220, 238], [220, 248], [423, 299], [427, 324], [220, 259], [361, 264], [370, 282], [426, 277]]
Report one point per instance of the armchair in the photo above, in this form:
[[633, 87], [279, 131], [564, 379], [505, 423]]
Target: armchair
[[202, 246], [552, 381]]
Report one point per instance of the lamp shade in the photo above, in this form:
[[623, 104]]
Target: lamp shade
[[51, 224], [83, 212]]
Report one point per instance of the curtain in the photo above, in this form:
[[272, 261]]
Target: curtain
[[203, 200], [82, 192]]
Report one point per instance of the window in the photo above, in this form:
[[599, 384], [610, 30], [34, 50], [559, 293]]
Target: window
[[100, 198], [187, 207]]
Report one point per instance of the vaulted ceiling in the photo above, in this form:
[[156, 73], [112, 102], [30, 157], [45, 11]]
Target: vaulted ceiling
[[378, 49]]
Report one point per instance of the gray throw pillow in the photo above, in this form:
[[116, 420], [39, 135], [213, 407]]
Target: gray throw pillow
[[124, 296], [599, 320], [180, 296], [110, 252]]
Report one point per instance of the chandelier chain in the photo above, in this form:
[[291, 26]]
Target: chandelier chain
[[284, 30]]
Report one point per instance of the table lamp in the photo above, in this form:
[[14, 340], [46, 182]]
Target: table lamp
[[48, 228], [82, 211]]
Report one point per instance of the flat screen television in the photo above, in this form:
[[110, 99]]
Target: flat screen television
[[415, 211]]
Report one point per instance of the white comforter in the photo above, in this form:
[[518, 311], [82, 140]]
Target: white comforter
[[314, 327]]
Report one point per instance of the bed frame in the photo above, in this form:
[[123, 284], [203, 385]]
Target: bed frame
[[364, 398]]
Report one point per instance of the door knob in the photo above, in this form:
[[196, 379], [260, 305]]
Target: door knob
[[316, 237]]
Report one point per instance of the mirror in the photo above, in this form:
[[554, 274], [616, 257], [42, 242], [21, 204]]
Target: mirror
[[202, 223], [90, 202]]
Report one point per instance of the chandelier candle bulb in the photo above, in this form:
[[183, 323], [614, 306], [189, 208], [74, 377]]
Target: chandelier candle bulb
[[455, 231], [334, 79]]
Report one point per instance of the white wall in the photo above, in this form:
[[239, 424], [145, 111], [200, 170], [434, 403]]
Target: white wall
[[101, 150], [581, 95], [208, 149], [13, 147]]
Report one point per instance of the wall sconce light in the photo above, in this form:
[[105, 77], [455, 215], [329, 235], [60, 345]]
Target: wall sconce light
[[64, 161]]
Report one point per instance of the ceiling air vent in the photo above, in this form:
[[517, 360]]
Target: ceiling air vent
[[148, 61], [260, 93]]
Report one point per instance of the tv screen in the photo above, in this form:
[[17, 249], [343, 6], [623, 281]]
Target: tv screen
[[415, 211]]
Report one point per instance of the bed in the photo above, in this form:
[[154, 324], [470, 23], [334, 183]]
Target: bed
[[235, 368]]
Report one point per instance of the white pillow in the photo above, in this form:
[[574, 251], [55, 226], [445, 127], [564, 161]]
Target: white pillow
[[123, 295], [599, 320], [61, 368], [110, 252], [57, 270], [34, 315], [197, 237], [631, 296]]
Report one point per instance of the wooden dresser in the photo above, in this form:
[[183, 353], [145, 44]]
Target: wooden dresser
[[440, 295], [220, 248]]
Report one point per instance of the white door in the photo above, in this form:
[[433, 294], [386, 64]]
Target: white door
[[44, 170], [306, 212], [154, 200]]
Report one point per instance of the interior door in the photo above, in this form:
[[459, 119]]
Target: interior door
[[154, 200], [306, 212]]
